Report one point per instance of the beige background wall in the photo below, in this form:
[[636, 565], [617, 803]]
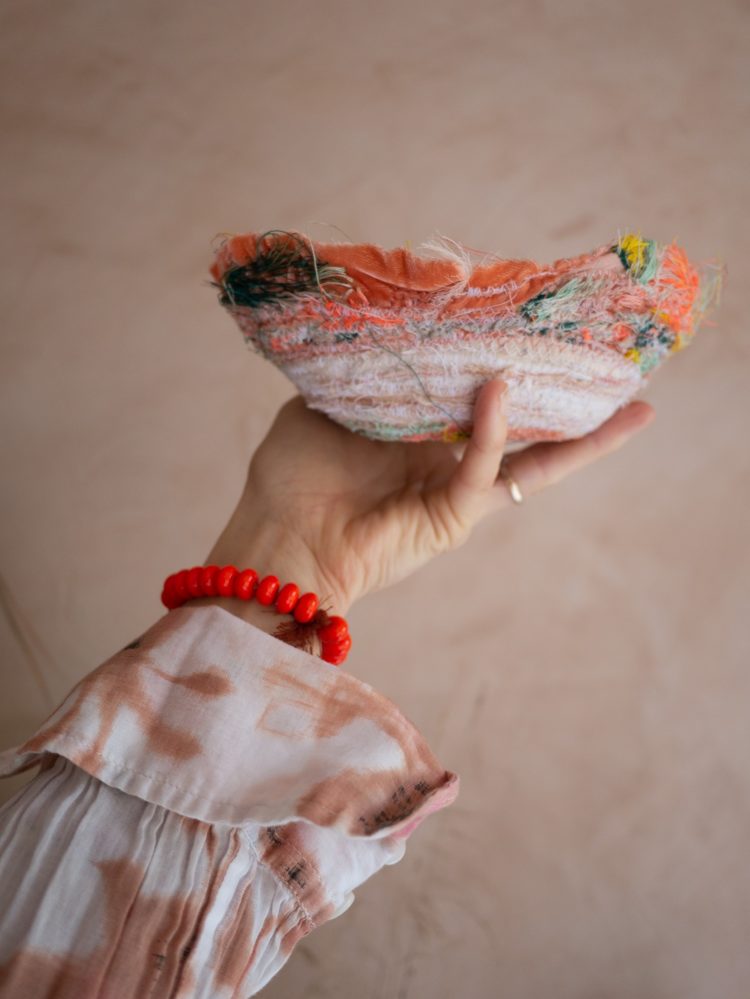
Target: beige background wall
[[590, 680]]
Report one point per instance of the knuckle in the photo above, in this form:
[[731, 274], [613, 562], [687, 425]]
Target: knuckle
[[547, 469], [490, 446], [448, 529]]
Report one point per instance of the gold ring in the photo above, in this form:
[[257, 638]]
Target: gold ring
[[513, 488]]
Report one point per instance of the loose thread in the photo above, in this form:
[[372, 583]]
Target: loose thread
[[388, 350]]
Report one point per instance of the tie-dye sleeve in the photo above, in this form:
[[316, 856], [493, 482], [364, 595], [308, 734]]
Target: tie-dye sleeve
[[206, 798]]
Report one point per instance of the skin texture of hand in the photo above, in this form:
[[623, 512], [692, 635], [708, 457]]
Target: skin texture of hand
[[343, 515]]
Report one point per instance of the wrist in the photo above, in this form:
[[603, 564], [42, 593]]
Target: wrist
[[273, 550]]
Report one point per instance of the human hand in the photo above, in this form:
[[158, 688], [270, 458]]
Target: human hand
[[343, 515]]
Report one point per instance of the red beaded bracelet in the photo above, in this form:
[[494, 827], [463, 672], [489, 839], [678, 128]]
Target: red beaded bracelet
[[228, 581]]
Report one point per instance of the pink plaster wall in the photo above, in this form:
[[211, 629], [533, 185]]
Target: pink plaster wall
[[583, 662]]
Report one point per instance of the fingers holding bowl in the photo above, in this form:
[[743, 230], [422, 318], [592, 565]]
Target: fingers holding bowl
[[542, 465]]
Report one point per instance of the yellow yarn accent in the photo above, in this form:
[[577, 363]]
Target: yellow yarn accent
[[634, 249], [633, 355], [451, 435]]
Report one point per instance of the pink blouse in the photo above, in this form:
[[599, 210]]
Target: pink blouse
[[205, 798]]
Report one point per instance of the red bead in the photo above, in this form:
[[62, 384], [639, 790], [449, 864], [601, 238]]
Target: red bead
[[335, 656], [336, 628], [268, 587], [287, 598], [306, 607], [343, 645], [194, 582], [208, 580], [244, 584], [225, 581], [168, 597], [167, 590], [180, 587]]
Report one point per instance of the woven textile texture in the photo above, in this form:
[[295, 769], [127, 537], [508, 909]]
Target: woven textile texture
[[395, 346]]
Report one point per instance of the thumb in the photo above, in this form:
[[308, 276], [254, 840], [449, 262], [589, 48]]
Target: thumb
[[466, 497]]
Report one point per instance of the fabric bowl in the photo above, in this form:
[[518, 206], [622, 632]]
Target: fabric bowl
[[395, 345]]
